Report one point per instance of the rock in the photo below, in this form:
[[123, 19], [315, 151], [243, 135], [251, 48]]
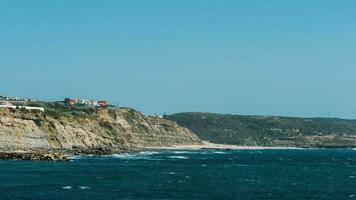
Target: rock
[[97, 131], [48, 156], [77, 150]]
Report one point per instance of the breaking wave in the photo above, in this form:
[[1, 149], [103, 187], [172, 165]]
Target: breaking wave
[[67, 187], [84, 187], [152, 155], [178, 157], [136, 156], [75, 157]]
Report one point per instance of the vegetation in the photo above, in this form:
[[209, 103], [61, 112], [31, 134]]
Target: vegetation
[[58, 109], [269, 130]]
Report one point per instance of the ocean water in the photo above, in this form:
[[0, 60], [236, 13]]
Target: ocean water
[[201, 174]]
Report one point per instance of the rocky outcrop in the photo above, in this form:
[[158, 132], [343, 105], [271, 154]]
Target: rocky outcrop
[[100, 131], [49, 156]]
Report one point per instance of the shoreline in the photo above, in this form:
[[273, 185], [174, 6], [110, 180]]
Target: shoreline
[[33, 155], [208, 145], [52, 155]]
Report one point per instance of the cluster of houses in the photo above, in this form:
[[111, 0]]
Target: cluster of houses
[[85, 102], [22, 107], [6, 102], [13, 99], [15, 103]]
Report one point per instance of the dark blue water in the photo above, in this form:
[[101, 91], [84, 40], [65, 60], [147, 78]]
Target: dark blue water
[[204, 174]]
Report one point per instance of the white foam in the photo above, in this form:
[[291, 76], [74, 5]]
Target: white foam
[[84, 187], [178, 157], [186, 152], [219, 152], [171, 173], [123, 155], [137, 156], [75, 157], [179, 152], [67, 187], [148, 152]]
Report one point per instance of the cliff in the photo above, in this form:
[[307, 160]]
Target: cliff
[[87, 131], [270, 130]]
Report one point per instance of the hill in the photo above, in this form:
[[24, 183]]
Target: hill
[[269, 130]]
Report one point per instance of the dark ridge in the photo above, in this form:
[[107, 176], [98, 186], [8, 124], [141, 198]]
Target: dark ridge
[[269, 130]]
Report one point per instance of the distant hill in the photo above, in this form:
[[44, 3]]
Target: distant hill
[[269, 130]]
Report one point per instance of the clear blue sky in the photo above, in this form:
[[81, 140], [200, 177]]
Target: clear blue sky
[[270, 57]]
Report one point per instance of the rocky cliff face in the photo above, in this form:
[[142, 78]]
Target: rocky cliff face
[[103, 130]]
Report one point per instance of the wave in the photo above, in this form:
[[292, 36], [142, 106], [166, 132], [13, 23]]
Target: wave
[[147, 155], [170, 173], [152, 155], [80, 157], [219, 152], [187, 152], [136, 156], [67, 187], [178, 157], [149, 152], [76, 157], [196, 152], [79, 187], [180, 152], [84, 187]]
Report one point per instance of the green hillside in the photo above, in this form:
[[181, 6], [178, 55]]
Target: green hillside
[[269, 130]]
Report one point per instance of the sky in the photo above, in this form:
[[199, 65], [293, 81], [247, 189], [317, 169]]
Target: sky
[[259, 57]]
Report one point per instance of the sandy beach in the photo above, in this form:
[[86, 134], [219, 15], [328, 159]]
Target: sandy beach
[[208, 145]]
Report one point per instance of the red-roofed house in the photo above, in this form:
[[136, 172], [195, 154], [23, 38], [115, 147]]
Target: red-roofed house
[[103, 103]]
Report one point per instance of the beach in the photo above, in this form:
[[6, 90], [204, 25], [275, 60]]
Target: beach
[[209, 145]]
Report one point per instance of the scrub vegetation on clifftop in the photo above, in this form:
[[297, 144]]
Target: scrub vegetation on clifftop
[[269, 130]]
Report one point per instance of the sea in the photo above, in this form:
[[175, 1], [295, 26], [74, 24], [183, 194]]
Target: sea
[[186, 174]]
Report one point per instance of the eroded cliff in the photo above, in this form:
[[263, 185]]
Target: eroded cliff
[[95, 131]]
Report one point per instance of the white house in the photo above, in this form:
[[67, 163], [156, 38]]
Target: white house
[[26, 107]]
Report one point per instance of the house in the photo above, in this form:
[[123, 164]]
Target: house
[[70, 101], [22, 107], [102, 103], [85, 102]]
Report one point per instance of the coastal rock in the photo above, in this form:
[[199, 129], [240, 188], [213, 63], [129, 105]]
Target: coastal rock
[[96, 131], [48, 156]]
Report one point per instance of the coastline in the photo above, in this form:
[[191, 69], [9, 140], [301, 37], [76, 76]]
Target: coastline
[[58, 155], [33, 155], [208, 145]]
